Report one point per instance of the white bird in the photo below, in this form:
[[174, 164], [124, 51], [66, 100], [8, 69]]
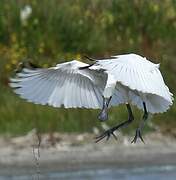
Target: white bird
[[121, 79]]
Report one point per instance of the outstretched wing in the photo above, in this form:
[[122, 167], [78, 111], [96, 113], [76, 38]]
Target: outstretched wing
[[138, 74], [64, 85]]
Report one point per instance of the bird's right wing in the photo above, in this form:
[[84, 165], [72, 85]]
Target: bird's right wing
[[64, 85]]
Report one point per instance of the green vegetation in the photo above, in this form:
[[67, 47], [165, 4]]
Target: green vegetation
[[60, 30]]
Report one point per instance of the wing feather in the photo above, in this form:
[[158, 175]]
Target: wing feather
[[64, 84], [141, 77], [145, 78], [94, 97], [88, 94]]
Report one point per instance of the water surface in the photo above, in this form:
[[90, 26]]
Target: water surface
[[112, 173]]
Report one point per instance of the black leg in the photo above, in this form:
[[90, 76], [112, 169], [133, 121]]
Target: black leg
[[104, 112], [141, 125], [110, 132]]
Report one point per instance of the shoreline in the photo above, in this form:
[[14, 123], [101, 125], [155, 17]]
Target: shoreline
[[78, 151]]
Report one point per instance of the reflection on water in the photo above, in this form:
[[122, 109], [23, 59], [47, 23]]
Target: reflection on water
[[144, 173]]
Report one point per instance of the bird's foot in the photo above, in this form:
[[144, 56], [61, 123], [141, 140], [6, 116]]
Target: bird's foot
[[107, 134], [138, 135], [103, 116]]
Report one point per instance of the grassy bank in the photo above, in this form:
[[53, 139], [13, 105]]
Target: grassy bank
[[58, 30], [19, 117]]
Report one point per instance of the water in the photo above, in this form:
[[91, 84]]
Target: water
[[138, 173]]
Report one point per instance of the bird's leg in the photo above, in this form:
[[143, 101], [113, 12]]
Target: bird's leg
[[107, 95], [141, 126], [104, 112], [110, 132]]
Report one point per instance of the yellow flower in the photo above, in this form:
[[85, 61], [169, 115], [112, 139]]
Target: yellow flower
[[14, 61], [78, 56], [8, 67]]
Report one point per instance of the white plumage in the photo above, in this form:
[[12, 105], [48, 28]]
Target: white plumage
[[127, 78], [63, 85], [139, 80]]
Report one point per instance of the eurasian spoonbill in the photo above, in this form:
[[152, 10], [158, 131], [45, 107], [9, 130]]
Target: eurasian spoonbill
[[123, 79]]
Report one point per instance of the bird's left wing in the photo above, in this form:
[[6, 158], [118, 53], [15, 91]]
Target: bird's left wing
[[64, 85], [137, 73]]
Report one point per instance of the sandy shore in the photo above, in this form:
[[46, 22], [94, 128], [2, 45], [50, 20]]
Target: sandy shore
[[77, 151]]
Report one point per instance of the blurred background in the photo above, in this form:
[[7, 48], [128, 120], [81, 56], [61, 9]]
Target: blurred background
[[50, 32]]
